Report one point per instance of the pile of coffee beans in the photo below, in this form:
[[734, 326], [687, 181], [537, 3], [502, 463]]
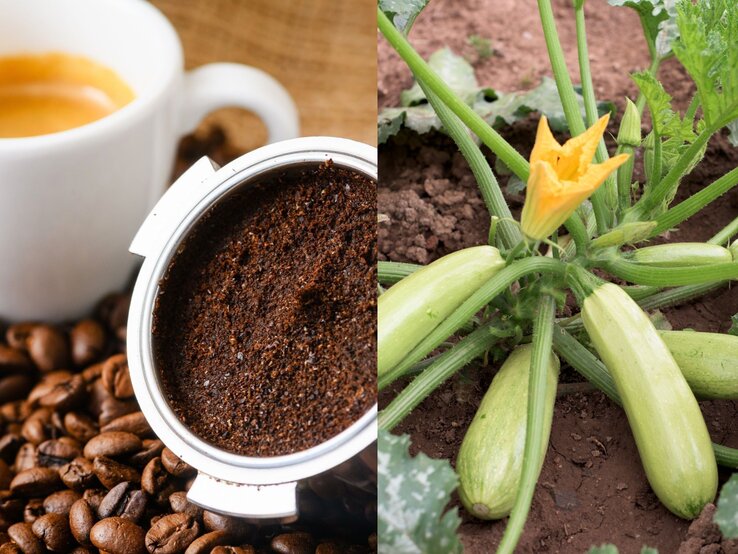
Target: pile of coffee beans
[[81, 470]]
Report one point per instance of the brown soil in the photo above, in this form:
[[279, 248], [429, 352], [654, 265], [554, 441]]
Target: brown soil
[[592, 488], [280, 276]]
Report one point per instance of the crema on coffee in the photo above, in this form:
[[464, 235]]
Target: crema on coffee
[[52, 92]]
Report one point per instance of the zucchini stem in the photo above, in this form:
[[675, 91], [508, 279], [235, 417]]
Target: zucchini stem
[[389, 273], [488, 186], [670, 276], [503, 149], [590, 105], [448, 363], [686, 209], [483, 296], [724, 235], [540, 360], [568, 99]]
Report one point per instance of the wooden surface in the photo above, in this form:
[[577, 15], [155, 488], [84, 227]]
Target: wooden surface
[[323, 52]]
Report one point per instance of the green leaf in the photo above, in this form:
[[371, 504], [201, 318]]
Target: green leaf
[[726, 515], [603, 549], [499, 109], [402, 12], [734, 326], [708, 49], [455, 71], [413, 493], [675, 133], [649, 550], [733, 135], [389, 124], [660, 321], [659, 21], [666, 122]]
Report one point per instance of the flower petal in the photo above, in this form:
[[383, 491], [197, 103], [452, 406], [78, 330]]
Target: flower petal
[[577, 152], [546, 147], [538, 220], [597, 173]]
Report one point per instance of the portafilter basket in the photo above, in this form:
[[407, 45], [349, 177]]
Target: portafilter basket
[[243, 486]]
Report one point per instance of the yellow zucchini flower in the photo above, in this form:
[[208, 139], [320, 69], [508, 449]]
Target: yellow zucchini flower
[[562, 177]]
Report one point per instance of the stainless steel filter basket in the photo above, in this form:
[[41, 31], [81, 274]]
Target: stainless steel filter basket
[[257, 488]]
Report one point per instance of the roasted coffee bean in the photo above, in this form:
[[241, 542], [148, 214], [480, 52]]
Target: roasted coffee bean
[[56, 452], [34, 482], [46, 384], [11, 508], [175, 465], [94, 497], [123, 500], [33, 510], [132, 423], [96, 396], [15, 412], [218, 522], [233, 550], [18, 333], [154, 478], [15, 387], [92, 373], [10, 443], [150, 449], [65, 394], [80, 426], [112, 444], [179, 504], [83, 550], [293, 543], [330, 548], [112, 408], [38, 428], [172, 534], [113, 311], [14, 360], [78, 474], [81, 519], [48, 347], [53, 530], [118, 535], [22, 535], [88, 342], [110, 472], [10, 548], [326, 486], [60, 502], [6, 475], [208, 541], [116, 378]]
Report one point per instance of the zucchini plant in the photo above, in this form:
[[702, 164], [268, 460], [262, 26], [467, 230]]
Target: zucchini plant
[[583, 218]]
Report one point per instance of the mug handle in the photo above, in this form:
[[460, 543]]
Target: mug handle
[[221, 85]]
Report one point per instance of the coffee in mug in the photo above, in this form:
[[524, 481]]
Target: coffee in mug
[[52, 92]]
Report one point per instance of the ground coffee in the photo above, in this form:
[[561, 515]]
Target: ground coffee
[[265, 324]]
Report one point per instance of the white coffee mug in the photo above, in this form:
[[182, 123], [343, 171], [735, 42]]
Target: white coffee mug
[[70, 202]]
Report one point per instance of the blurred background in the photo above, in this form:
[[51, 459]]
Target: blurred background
[[323, 52]]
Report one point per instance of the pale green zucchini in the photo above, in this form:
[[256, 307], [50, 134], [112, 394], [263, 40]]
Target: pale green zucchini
[[490, 460], [709, 362], [666, 421], [680, 254], [413, 307]]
